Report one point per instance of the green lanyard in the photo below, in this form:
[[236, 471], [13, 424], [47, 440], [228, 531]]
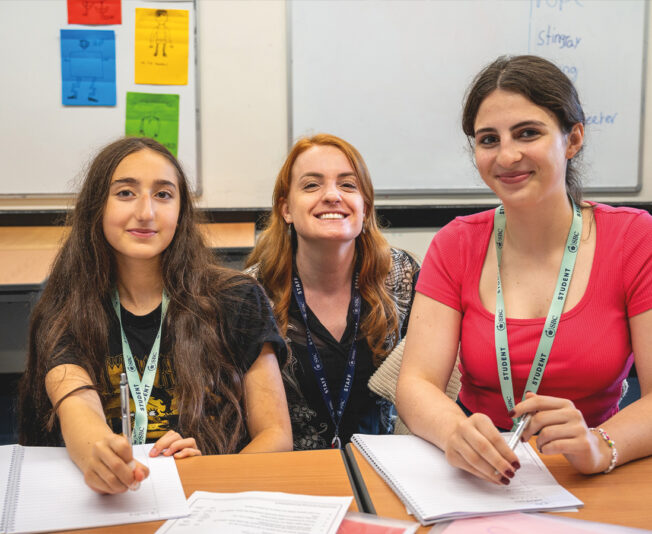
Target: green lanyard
[[554, 313], [140, 389]]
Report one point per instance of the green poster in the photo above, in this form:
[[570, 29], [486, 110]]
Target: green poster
[[154, 115]]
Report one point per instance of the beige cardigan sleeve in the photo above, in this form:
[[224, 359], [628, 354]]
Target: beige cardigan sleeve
[[383, 381]]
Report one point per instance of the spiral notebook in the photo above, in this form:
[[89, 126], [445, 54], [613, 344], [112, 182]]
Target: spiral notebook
[[41, 490], [433, 490]]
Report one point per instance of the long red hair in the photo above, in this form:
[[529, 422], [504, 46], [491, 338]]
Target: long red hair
[[275, 247]]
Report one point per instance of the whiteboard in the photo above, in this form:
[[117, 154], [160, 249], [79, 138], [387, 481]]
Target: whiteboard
[[44, 146], [390, 77]]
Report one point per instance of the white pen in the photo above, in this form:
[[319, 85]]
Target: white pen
[[124, 407], [520, 427]]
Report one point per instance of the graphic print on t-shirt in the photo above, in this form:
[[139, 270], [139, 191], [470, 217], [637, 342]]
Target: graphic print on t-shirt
[[162, 410]]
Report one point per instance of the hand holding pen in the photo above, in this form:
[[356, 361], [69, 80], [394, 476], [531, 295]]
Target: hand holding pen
[[560, 428], [518, 432], [125, 414]]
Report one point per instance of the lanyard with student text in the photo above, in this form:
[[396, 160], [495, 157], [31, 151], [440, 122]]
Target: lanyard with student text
[[554, 313], [318, 366], [140, 389]]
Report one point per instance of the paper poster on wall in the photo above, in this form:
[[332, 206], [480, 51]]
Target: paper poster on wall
[[154, 115], [161, 46], [88, 68], [94, 12]]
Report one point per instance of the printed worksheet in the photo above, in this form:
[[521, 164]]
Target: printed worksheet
[[259, 512]]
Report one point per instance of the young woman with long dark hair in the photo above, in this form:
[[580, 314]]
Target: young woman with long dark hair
[[548, 297], [135, 289]]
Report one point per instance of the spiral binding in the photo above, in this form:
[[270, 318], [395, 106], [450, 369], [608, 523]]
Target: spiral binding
[[13, 485]]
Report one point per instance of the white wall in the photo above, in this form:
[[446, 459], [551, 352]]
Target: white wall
[[244, 113]]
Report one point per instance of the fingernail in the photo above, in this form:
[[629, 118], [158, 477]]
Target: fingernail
[[509, 473], [516, 465], [511, 413], [505, 481], [134, 486]]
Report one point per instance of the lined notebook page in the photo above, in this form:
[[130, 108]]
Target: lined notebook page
[[432, 489], [54, 496]]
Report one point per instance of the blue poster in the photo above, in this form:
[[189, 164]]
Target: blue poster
[[88, 68]]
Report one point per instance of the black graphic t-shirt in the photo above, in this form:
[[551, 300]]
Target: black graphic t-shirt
[[248, 328], [162, 414]]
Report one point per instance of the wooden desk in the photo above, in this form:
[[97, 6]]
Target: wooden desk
[[229, 235], [306, 472], [27, 252], [623, 497]]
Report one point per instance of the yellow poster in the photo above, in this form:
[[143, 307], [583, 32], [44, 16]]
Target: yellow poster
[[162, 46]]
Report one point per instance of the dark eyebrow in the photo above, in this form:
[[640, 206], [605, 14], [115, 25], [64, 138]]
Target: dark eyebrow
[[133, 181], [527, 123], [512, 128]]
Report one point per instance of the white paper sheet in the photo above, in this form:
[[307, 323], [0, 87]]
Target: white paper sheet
[[54, 496], [259, 512], [432, 489]]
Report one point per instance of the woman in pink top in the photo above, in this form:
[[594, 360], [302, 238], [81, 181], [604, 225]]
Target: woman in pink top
[[546, 299]]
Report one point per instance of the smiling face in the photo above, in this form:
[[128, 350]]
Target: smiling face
[[520, 150], [142, 209], [324, 200]]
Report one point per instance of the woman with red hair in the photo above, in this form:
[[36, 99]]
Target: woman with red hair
[[341, 295]]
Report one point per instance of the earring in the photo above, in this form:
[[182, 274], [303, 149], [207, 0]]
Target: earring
[[289, 229]]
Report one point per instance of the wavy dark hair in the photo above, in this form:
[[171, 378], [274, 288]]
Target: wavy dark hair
[[73, 315], [541, 82], [275, 247]]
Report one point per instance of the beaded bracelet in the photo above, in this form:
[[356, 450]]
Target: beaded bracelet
[[612, 446]]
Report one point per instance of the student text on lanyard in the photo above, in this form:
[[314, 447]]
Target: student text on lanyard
[[317, 364], [554, 313], [140, 389]]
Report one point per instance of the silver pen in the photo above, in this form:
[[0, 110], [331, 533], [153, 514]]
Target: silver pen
[[520, 427], [126, 420], [124, 407]]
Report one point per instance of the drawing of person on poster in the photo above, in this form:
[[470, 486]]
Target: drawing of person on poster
[[88, 68], [161, 46], [94, 12], [155, 116], [85, 65], [161, 35]]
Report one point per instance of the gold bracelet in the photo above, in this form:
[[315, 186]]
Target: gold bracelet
[[612, 446]]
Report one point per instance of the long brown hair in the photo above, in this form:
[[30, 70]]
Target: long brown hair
[[73, 315], [276, 245], [543, 84]]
